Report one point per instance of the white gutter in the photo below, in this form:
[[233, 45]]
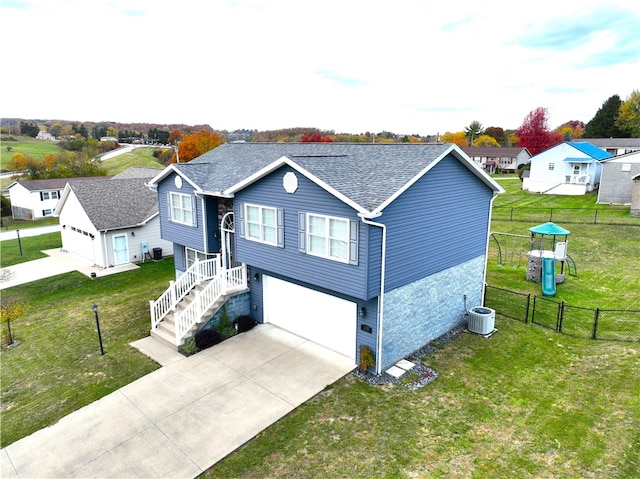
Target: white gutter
[[486, 253], [381, 295]]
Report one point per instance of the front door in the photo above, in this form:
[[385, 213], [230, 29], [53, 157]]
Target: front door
[[120, 249]]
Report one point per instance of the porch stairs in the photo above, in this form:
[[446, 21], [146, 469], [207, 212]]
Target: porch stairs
[[193, 299]]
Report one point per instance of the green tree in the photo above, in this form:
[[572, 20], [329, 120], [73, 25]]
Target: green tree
[[629, 117], [473, 131], [603, 124]]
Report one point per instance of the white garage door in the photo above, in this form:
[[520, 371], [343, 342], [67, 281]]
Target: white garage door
[[78, 243], [318, 317]]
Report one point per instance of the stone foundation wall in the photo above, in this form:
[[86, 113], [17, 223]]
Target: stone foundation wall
[[426, 309]]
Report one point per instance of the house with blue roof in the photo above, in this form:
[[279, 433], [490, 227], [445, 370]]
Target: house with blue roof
[[570, 168], [347, 245]]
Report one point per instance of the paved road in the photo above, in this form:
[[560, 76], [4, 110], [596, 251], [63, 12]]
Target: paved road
[[38, 230]]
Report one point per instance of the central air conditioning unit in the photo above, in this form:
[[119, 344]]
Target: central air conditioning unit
[[481, 320]]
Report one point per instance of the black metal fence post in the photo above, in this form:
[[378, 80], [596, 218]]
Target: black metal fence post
[[560, 316], [526, 314], [596, 316]]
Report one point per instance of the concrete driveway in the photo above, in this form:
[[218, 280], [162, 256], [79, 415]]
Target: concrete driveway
[[57, 262], [181, 419]]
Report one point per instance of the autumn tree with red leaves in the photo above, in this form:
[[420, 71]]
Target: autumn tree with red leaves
[[315, 138], [197, 144], [534, 133]]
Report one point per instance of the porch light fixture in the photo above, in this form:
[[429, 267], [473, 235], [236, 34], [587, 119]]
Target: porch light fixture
[[363, 312], [256, 277], [133, 233]]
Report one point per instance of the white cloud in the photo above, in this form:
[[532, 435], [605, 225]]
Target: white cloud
[[416, 66]]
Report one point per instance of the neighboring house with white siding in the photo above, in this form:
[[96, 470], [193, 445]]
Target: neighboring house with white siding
[[616, 184], [33, 199], [111, 222], [570, 168], [498, 159]]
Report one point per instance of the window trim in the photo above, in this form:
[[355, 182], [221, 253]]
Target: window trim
[[181, 208], [351, 238], [197, 254], [278, 227]]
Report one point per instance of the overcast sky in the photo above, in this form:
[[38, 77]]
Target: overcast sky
[[406, 66]]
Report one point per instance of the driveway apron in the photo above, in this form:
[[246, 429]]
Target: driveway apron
[[184, 417]]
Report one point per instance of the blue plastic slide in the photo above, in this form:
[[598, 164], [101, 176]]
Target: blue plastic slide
[[548, 276]]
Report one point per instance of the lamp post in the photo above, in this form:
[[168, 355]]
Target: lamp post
[[95, 311], [19, 242]]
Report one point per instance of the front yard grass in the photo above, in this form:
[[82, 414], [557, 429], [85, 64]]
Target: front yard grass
[[526, 402], [57, 367], [32, 247]]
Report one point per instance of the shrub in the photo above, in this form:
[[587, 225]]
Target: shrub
[[225, 327], [366, 359], [245, 323], [189, 347], [206, 338]]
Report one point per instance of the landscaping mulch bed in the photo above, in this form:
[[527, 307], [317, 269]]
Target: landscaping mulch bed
[[418, 376]]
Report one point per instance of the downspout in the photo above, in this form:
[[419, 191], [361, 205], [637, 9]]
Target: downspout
[[486, 253], [106, 251], [381, 296]]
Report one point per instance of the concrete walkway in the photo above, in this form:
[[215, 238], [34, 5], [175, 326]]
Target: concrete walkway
[[181, 419], [57, 262]]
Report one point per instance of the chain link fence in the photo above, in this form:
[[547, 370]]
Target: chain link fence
[[603, 324], [614, 215]]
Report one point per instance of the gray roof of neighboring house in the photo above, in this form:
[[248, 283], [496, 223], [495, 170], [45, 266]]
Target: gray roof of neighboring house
[[495, 152], [367, 174], [137, 172], [118, 203], [54, 183]]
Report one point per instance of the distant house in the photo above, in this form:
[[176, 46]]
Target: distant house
[[347, 245], [570, 168], [112, 222], [493, 159], [616, 184], [615, 146], [635, 196], [33, 199], [45, 135]]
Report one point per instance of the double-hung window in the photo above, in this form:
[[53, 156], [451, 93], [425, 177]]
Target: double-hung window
[[328, 237], [181, 209], [261, 224], [191, 255]]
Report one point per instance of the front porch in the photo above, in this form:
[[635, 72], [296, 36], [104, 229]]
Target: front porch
[[193, 299]]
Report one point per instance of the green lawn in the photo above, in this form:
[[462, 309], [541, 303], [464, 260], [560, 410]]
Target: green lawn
[[27, 146], [525, 403], [57, 367], [32, 247], [138, 157], [8, 223]]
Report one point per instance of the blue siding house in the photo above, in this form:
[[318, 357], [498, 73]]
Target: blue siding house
[[347, 245]]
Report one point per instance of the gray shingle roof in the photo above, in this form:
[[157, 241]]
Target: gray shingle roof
[[56, 183], [368, 174], [117, 203]]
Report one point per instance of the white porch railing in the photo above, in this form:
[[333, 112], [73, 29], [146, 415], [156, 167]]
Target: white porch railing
[[198, 272], [226, 281], [578, 179]]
